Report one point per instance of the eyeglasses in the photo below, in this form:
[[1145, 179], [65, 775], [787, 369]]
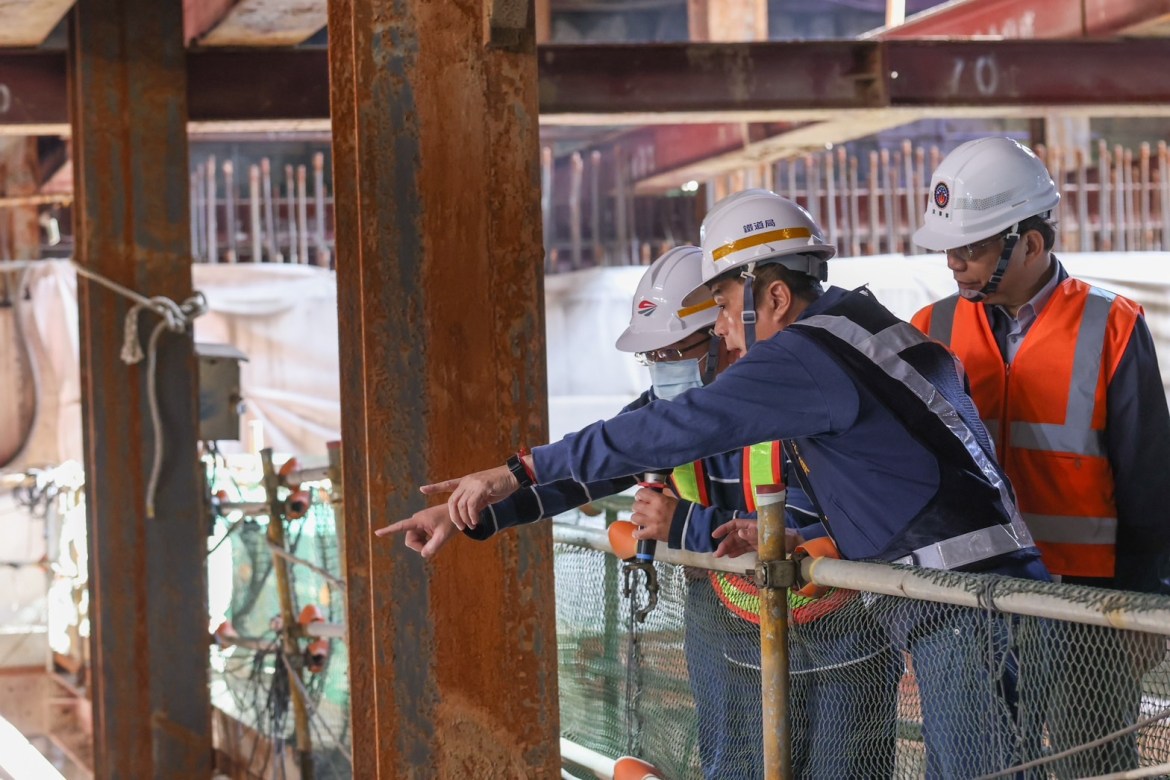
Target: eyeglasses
[[669, 354], [970, 252]]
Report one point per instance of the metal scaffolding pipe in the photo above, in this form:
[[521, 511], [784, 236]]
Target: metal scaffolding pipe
[[1042, 599], [774, 679], [596, 539]]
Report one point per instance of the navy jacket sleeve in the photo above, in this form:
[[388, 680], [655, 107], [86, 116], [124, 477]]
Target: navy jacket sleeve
[[768, 394], [1138, 436], [548, 500], [543, 501], [692, 524]]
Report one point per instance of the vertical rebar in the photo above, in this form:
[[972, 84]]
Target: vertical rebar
[[874, 204], [303, 213], [1083, 226], [1147, 228], [212, 227], [890, 200], [319, 209], [1104, 198], [1164, 193], [290, 211], [254, 212], [229, 202], [854, 208], [576, 173], [599, 257], [269, 212], [911, 196], [812, 183], [1121, 218], [830, 198], [621, 214], [843, 196], [774, 678]]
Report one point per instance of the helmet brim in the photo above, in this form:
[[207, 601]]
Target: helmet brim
[[936, 241], [644, 342]]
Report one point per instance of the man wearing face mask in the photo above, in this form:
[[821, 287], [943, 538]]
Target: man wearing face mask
[[1066, 379], [669, 333]]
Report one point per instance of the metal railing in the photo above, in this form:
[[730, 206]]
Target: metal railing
[[1066, 646]]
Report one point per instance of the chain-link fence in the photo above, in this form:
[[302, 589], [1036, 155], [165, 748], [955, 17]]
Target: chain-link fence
[[882, 685]]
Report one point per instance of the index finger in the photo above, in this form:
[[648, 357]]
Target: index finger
[[724, 529], [446, 486], [393, 528]]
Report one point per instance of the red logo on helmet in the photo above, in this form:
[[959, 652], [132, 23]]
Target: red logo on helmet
[[942, 195], [646, 308]]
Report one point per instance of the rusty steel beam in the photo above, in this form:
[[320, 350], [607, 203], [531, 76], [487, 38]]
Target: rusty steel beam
[[147, 579], [673, 83], [442, 371], [709, 77]]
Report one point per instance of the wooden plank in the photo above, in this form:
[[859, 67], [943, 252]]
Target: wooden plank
[[29, 22], [254, 22]]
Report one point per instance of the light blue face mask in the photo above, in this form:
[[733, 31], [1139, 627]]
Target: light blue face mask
[[672, 379]]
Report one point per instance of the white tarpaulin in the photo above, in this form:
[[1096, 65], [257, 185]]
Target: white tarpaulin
[[284, 318]]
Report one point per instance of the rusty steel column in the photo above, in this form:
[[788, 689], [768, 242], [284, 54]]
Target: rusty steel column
[[148, 587], [439, 272]]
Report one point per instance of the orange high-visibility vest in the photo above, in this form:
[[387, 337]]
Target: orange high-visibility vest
[[1047, 412]]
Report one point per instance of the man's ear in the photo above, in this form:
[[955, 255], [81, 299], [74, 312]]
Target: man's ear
[[1033, 243], [781, 299]]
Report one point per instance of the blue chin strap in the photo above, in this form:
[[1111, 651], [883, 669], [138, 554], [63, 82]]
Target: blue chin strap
[[748, 316], [1009, 246]]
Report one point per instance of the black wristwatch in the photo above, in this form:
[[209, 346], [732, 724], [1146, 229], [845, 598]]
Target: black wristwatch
[[519, 470]]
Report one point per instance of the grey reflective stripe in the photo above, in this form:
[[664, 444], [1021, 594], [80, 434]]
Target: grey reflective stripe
[[971, 547], [883, 349], [942, 319], [1058, 438], [1076, 435], [1064, 529]]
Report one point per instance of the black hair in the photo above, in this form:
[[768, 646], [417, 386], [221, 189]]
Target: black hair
[[801, 285], [1042, 224]]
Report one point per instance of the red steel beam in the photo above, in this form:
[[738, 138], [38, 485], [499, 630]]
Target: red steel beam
[[147, 577], [1008, 18], [1029, 18], [453, 662], [666, 83]]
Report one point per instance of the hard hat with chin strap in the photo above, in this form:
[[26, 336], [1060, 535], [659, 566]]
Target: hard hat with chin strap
[[670, 303], [981, 189], [757, 226], [984, 188]]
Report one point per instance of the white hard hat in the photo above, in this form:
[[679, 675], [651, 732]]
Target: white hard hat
[[670, 303], [756, 226], [983, 188]]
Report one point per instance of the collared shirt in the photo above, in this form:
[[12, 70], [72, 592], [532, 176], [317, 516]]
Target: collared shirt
[[1010, 331]]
